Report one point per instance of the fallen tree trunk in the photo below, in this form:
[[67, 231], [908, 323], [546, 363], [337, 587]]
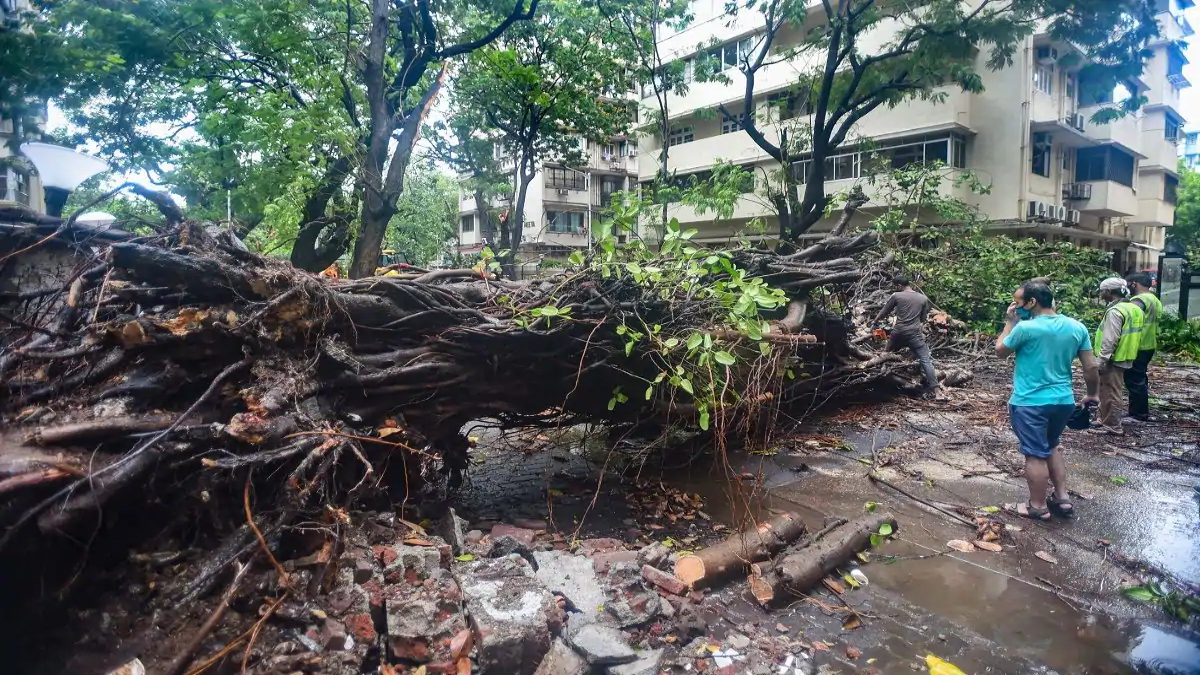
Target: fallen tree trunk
[[709, 565], [797, 572]]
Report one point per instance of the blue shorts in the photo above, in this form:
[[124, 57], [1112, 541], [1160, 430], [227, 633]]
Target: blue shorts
[[1038, 427]]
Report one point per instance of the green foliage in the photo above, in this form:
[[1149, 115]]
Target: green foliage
[[1187, 212], [1179, 337], [132, 213], [973, 277], [425, 226], [1176, 603]]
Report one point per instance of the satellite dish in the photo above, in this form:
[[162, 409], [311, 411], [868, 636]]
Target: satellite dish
[[61, 171]]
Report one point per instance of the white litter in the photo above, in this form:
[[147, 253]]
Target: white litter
[[858, 576]]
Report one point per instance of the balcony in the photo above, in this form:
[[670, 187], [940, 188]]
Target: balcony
[[1125, 131], [1154, 213], [1049, 116], [1161, 153], [1171, 28], [565, 195], [1103, 198]]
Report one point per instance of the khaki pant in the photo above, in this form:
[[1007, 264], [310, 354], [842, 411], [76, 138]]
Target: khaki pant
[[1112, 386]]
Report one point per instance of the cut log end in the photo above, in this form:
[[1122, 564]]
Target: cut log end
[[762, 589], [690, 570]]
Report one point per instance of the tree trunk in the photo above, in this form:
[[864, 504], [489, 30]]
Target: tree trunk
[[486, 233], [516, 219], [307, 253], [797, 572], [711, 564]]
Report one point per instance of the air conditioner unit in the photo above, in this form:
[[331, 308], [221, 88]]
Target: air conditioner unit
[[563, 192], [632, 153], [1060, 213], [1035, 209], [1047, 55], [1043, 210], [1072, 216], [1075, 121]]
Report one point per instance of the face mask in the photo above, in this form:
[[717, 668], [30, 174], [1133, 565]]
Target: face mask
[[1024, 314]]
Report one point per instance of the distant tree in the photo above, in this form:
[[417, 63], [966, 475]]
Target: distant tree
[[545, 87], [426, 220], [1186, 230]]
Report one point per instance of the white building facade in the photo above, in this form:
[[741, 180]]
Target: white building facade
[[18, 184], [1054, 174], [565, 205]]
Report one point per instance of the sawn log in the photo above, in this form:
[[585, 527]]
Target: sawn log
[[795, 573], [734, 554]]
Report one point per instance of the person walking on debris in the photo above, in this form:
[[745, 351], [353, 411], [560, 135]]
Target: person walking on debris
[[1046, 344], [1118, 340], [911, 307], [1137, 377]]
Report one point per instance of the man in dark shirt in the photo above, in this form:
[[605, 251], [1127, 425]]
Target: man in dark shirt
[[911, 307]]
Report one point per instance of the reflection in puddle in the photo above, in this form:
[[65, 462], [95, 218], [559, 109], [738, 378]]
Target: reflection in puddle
[[1160, 653]]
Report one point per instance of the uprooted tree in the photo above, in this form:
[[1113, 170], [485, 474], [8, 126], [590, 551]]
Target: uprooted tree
[[181, 359]]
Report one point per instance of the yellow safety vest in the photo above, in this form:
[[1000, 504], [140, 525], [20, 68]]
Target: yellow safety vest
[[1153, 311], [1131, 331]]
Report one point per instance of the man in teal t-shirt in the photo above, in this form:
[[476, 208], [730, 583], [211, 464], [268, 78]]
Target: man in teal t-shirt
[[1046, 344]]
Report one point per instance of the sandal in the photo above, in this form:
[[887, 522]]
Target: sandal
[[1062, 508], [1031, 513]]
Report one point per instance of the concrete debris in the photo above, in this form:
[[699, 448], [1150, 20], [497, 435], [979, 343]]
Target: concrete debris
[[664, 580], [603, 562], [521, 534], [648, 663], [509, 545], [474, 537], [562, 660], [574, 578], [601, 645], [334, 637], [511, 614], [654, 555], [450, 527]]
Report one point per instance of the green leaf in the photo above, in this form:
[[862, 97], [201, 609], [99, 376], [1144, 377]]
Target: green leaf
[[576, 258], [990, 509], [851, 581], [548, 310], [612, 403], [466, 557], [871, 506], [875, 539], [1118, 480], [694, 340], [671, 343], [885, 529], [1139, 593], [649, 392], [725, 358], [704, 419], [686, 385]]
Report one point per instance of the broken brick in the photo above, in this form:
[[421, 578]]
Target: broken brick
[[664, 580], [521, 534]]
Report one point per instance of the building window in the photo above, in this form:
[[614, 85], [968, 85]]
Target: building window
[[22, 188], [681, 135], [1171, 128], [1042, 148], [733, 124], [1043, 79], [1068, 160], [564, 222], [1104, 163], [1170, 189], [785, 105], [1069, 90], [950, 150], [729, 55], [3, 185], [563, 178], [468, 224]]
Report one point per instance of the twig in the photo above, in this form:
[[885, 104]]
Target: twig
[[179, 664], [915, 498], [262, 541]]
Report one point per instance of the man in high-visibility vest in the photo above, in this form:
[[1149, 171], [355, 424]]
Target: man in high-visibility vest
[[1136, 378], [1117, 342]]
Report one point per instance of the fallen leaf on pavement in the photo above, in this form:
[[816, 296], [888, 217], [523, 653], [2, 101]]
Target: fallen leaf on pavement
[[853, 652], [960, 545], [819, 646], [461, 644], [851, 623], [989, 546], [418, 542], [1046, 556], [939, 667], [990, 509], [834, 586]]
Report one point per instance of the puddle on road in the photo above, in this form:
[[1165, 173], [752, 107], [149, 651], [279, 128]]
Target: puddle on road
[[1152, 518]]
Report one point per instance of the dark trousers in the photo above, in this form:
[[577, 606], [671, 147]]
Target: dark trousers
[[1137, 385], [915, 342]]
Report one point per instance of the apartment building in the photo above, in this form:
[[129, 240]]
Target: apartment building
[[1189, 151], [17, 183], [565, 204], [1054, 174]]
